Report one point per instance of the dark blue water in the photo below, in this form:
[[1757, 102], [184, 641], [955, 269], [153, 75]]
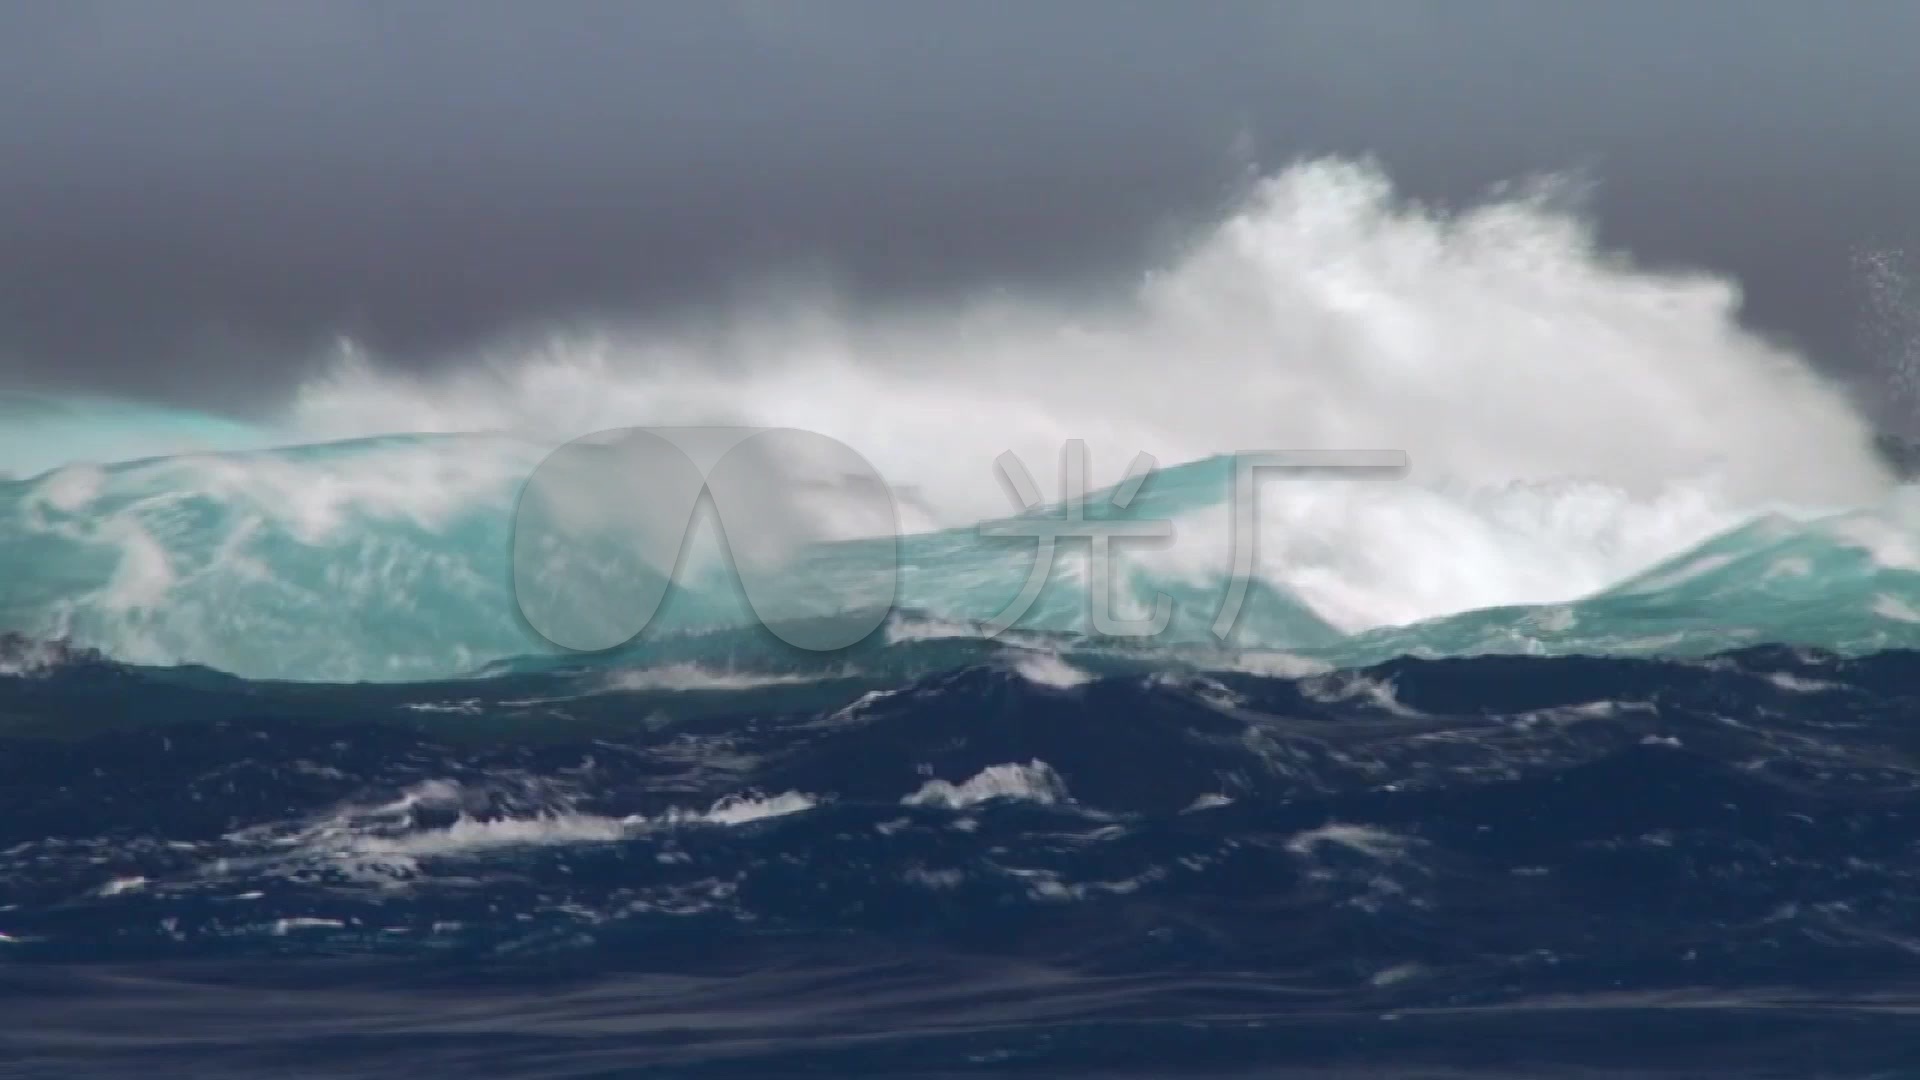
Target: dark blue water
[[978, 864]]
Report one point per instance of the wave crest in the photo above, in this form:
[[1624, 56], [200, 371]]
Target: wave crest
[[1573, 421]]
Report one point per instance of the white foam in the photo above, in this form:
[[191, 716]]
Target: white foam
[[71, 488], [1398, 973], [123, 885], [282, 927], [1497, 342], [1366, 839], [1342, 687], [691, 676], [739, 810], [1033, 782], [1571, 418], [1047, 669], [1892, 607], [1795, 684], [467, 835], [1890, 545], [919, 628], [1270, 663], [466, 707], [384, 833]]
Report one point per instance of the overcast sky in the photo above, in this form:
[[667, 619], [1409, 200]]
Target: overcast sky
[[196, 193]]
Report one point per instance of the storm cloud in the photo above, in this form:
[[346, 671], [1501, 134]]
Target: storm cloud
[[198, 195]]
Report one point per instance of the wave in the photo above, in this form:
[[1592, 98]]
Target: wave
[[391, 560], [1603, 460], [1035, 781]]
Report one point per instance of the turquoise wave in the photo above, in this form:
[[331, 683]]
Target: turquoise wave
[[390, 559]]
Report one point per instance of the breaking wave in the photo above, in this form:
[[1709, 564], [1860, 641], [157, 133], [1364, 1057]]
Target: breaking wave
[[1603, 460]]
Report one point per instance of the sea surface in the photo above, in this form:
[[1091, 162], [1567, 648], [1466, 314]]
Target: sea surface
[[1587, 745], [1009, 861]]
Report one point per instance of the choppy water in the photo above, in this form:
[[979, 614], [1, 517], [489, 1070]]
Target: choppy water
[[1010, 860], [1587, 748]]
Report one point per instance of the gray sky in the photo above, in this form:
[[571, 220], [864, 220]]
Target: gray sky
[[196, 193]]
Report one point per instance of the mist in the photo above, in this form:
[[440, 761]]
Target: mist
[[203, 199]]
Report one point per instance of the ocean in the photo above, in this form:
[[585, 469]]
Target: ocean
[[1581, 746]]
